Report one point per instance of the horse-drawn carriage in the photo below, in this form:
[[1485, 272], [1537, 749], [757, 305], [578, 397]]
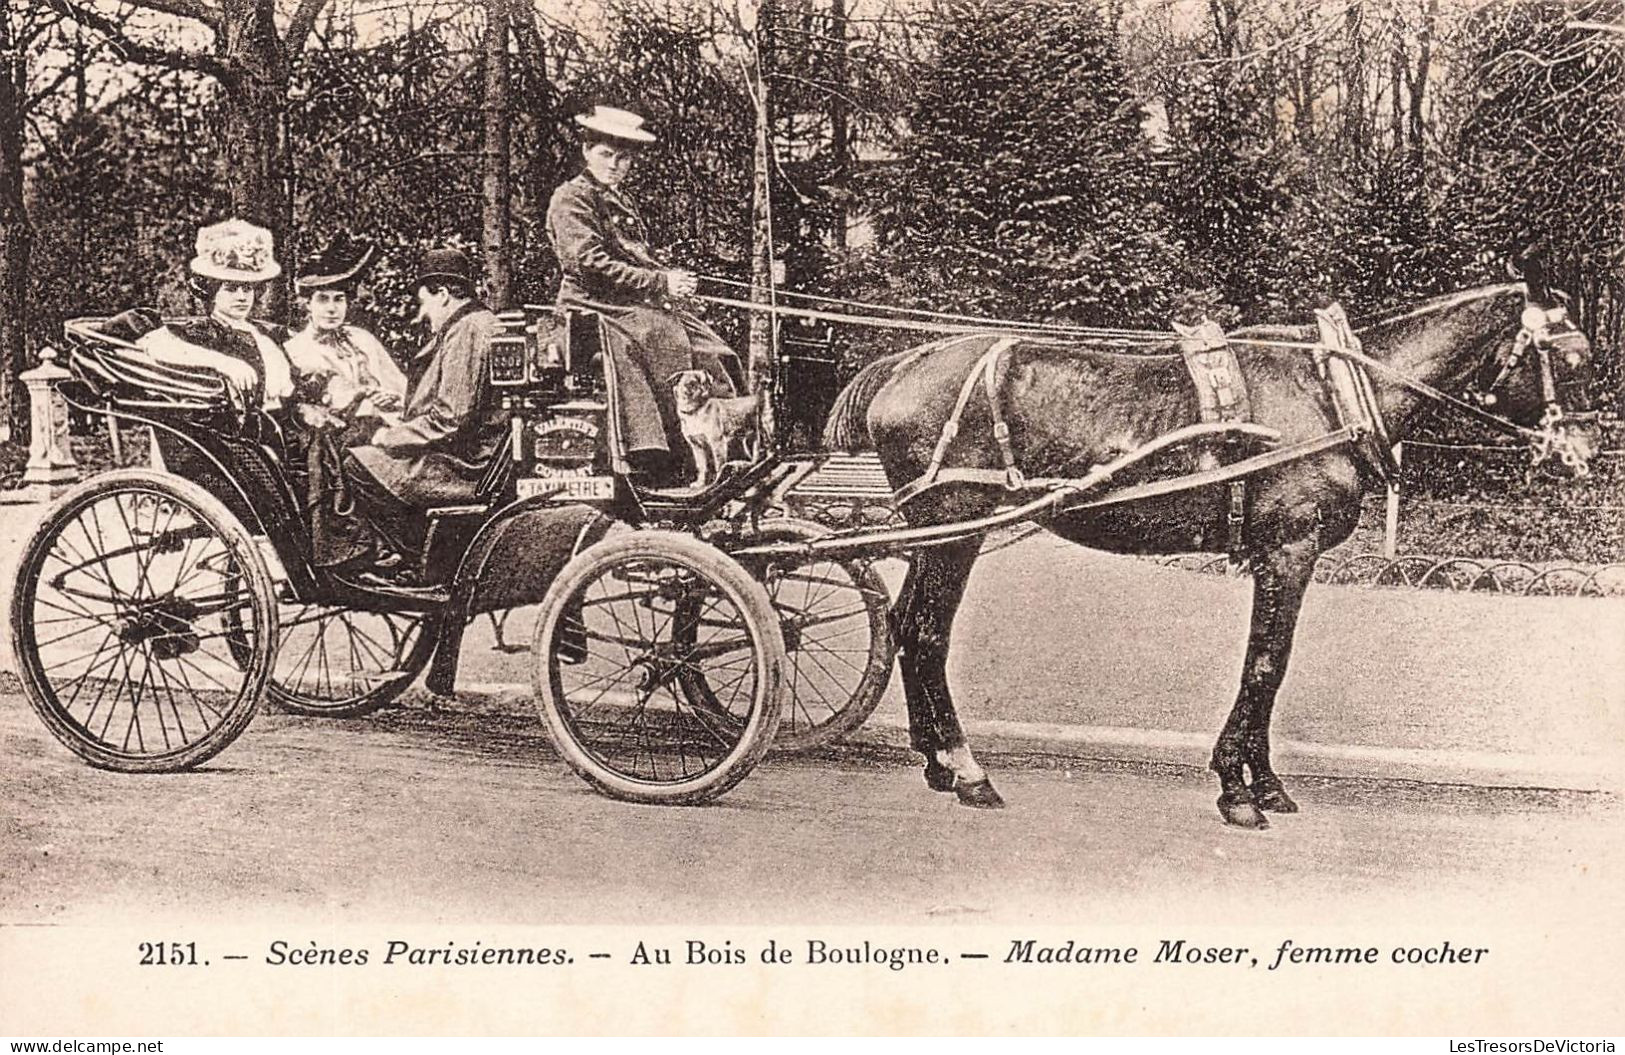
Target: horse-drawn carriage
[[154, 609], [680, 631]]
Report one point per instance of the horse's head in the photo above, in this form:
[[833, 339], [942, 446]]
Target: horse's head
[[1540, 379]]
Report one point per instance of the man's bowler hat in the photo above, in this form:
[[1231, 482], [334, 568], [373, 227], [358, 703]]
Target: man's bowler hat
[[444, 265]]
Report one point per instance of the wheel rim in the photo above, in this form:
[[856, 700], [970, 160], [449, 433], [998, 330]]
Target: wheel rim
[[660, 672], [130, 603], [342, 662], [826, 619]]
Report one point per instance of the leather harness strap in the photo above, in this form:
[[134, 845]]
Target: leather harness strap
[[1354, 399], [1221, 395], [987, 365]]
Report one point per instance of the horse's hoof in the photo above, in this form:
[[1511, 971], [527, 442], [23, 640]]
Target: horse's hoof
[[978, 793], [1274, 800], [938, 777], [1243, 815]]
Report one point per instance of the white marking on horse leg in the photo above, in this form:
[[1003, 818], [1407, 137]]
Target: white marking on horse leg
[[962, 762]]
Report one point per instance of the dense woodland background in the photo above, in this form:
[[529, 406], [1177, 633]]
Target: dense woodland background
[[1089, 161]]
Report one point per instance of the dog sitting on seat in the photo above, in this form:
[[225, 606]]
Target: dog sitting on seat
[[709, 421]]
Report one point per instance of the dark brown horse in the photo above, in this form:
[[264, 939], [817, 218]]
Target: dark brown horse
[[1072, 407]]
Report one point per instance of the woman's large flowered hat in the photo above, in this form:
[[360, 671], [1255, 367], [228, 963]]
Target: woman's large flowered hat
[[612, 123], [235, 251]]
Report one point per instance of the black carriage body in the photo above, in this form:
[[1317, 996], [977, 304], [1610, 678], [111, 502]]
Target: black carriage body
[[538, 530]]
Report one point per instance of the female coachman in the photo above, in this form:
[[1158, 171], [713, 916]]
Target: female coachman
[[602, 247]]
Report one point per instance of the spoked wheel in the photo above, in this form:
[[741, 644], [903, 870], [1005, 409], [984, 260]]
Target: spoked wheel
[[343, 663], [659, 668], [144, 623], [832, 614]]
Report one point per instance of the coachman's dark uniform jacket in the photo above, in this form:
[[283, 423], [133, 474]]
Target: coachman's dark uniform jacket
[[603, 251]]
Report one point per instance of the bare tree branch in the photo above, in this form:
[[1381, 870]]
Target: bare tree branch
[[1600, 27], [145, 54], [194, 9], [301, 25]]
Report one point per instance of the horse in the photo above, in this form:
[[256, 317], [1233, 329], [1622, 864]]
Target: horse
[[1067, 406]]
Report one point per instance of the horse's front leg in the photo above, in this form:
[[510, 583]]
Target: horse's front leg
[[922, 622], [1280, 577]]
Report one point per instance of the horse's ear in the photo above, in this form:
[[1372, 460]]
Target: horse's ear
[[1529, 263]]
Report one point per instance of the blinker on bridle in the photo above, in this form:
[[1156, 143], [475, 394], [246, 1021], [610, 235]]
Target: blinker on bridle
[[1540, 329]]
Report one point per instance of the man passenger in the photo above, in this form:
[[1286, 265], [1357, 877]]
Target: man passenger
[[451, 427]]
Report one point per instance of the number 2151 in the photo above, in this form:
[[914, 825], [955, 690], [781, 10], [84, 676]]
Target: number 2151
[[168, 954]]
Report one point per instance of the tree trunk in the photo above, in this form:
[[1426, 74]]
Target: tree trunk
[[15, 237], [840, 137], [256, 143], [549, 158], [1419, 85], [495, 160], [762, 325], [1354, 83]]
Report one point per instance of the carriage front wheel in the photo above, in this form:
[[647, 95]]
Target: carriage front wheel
[[144, 622], [627, 632]]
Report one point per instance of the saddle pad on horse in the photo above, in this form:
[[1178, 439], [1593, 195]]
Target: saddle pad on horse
[[1221, 390]]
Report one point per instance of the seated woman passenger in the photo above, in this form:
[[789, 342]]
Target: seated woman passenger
[[602, 247], [234, 261], [346, 379]]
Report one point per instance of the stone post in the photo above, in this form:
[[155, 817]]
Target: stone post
[[51, 469]]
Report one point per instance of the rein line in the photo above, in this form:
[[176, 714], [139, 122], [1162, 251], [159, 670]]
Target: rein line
[[1042, 333]]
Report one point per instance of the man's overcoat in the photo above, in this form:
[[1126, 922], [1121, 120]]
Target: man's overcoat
[[452, 425]]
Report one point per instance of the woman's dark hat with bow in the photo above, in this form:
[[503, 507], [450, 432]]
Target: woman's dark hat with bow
[[339, 263], [444, 264]]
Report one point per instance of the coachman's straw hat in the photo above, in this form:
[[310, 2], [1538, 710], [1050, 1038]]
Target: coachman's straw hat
[[235, 251], [610, 123]]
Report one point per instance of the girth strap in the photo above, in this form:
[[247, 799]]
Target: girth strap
[[1221, 395]]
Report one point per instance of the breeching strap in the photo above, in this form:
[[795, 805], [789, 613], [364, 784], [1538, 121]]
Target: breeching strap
[[987, 366]]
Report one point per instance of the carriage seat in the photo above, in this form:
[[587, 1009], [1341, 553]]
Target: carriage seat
[[103, 354], [452, 527]]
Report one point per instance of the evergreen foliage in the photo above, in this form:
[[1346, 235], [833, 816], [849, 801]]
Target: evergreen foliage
[[1026, 189]]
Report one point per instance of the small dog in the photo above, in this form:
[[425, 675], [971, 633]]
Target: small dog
[[709, 421]]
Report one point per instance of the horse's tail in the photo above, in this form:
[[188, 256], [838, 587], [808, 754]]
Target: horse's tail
[[847, 428]]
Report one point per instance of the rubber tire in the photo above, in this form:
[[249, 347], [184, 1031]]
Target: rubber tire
[[411, 665], [767, 646], [211, 513], [877, 669]]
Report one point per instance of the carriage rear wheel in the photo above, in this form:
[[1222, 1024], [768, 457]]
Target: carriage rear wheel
[[144, 623], [832, 613], [627, 631], [343, 663]]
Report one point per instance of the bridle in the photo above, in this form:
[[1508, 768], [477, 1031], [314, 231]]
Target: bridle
[[1543, 331]]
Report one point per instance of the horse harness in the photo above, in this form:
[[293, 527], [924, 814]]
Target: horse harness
[[1221, 395], [1225, 423]]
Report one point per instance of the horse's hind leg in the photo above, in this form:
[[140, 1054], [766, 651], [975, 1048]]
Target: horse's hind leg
[[1280, 577], [922, 622]]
